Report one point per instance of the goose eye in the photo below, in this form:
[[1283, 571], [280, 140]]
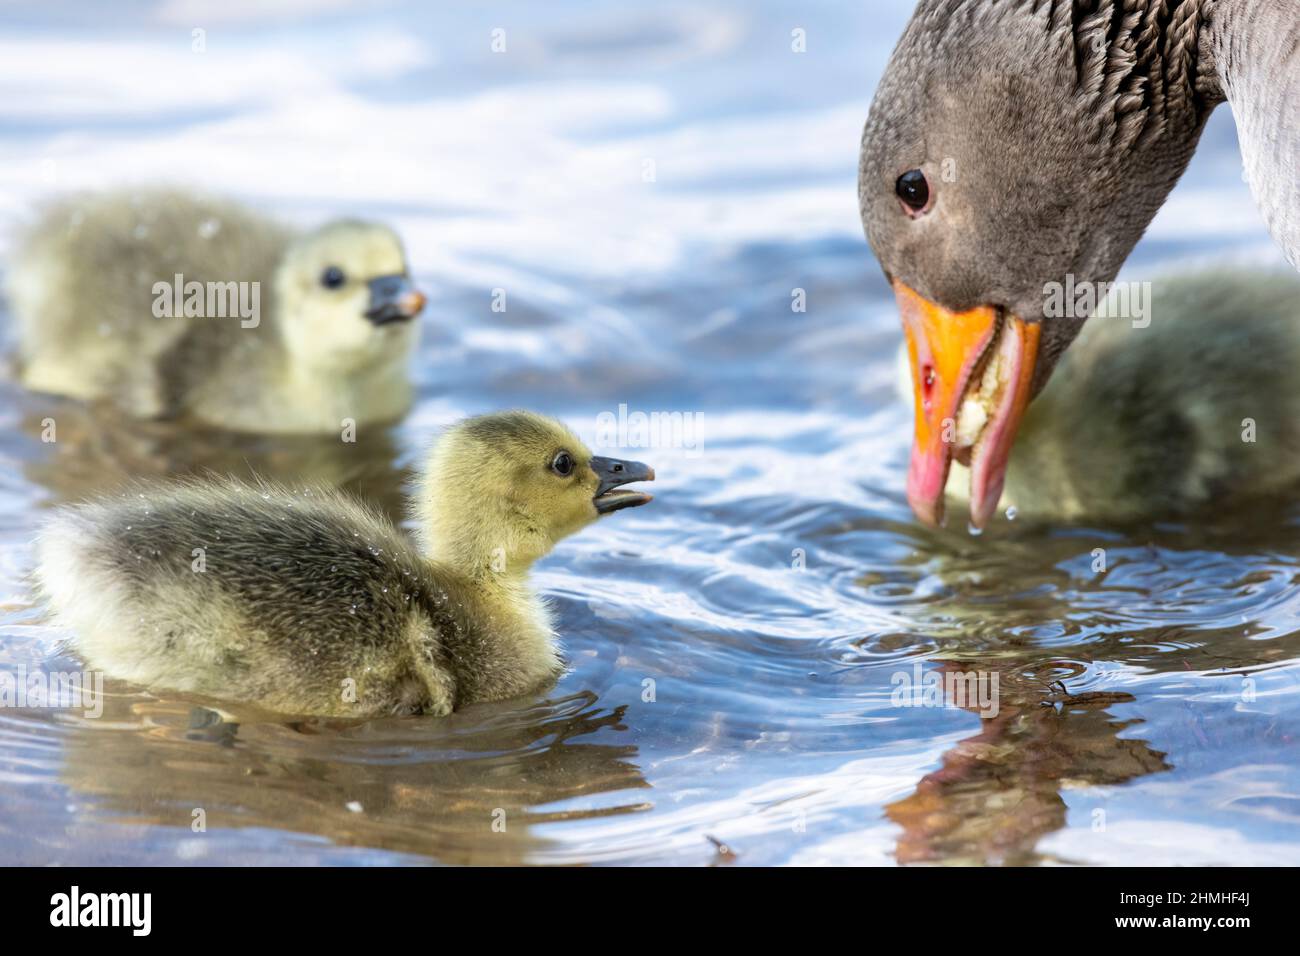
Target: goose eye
[[332, 277], [562, 464], [914, 190]]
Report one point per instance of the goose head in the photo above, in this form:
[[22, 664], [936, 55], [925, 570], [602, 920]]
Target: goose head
[[345, 300], [1012, 148], [501, 490]]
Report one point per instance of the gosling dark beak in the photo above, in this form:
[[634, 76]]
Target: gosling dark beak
[[614, 473], [393, 299]]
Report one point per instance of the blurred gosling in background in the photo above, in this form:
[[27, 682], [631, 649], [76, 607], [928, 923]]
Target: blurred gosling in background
[[309, 603], [1199, 409], [174, 306]]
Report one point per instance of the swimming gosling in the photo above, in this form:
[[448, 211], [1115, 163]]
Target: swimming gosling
[[308, 603], [170, 305]]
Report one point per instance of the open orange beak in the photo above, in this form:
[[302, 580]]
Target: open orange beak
[[971, 379]]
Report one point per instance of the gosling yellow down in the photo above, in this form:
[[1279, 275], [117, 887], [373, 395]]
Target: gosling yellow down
[[309, 603], [171, 305]]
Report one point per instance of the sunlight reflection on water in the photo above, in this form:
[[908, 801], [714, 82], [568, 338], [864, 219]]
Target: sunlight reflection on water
[[777, 586]]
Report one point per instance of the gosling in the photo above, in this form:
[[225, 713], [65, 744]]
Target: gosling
[[309, 603], [1198, 410], [173, 306]]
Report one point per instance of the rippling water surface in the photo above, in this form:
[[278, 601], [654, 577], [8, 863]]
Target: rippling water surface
[[649, 188]]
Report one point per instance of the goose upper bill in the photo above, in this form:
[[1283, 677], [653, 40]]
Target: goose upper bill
[[1016, 145]]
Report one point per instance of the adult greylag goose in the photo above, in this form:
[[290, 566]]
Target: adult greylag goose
[[1018, 147]]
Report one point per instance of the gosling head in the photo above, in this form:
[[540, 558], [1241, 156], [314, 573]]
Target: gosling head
[[344, 299], [501, 490], [1011, 151]]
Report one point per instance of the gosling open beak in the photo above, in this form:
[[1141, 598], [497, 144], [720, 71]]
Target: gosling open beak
[[614, 473], [393, 299], [971, 379]]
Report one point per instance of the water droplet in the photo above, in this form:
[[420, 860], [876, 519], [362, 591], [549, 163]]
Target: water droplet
[[1011, 513]]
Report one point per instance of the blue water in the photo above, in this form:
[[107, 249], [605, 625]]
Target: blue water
[[649, 188]]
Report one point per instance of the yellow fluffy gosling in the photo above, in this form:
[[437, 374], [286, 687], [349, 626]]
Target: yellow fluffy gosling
[[308, 603], [170, 305]]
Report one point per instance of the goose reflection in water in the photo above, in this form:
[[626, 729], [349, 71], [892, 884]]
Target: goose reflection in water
[[1049, 735]]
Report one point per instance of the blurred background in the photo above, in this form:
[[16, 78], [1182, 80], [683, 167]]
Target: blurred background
[[650, 188]]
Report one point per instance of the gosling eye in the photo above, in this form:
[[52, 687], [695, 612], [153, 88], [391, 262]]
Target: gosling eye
[[914, 191], [332, 277], [562, 464]]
